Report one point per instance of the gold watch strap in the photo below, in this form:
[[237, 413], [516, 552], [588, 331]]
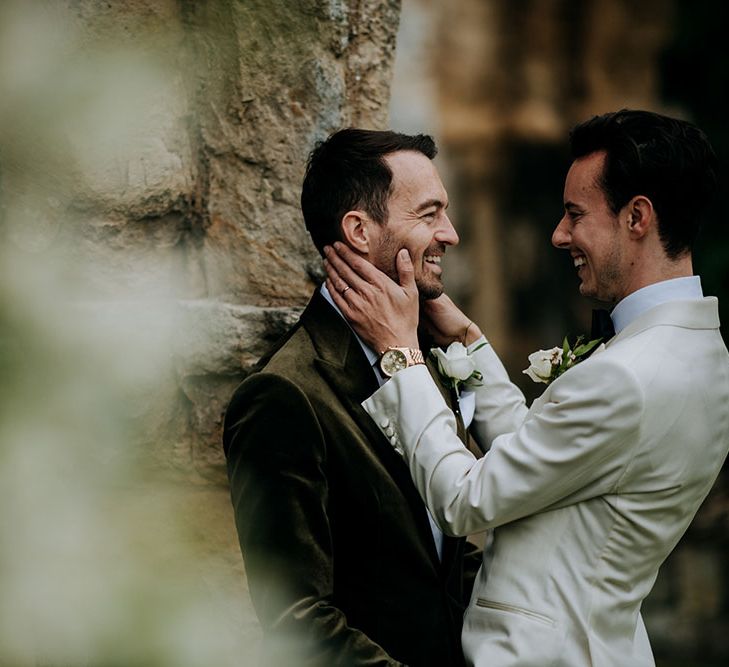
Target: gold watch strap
[[416, 356], [413, 355]]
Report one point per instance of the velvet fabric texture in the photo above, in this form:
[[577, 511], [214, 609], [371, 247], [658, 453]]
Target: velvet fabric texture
[[339, 553]]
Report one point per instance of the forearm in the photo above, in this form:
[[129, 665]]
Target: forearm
[[500, 405], [548, 458], [411, 403]]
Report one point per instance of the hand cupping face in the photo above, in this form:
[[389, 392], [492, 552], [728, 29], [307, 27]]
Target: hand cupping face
[[382, 312]]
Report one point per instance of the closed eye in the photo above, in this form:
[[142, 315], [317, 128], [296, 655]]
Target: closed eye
[[572, 211], [428, 211], [573, 214]]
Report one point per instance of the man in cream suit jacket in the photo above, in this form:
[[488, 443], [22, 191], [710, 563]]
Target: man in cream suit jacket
[[590, 488]]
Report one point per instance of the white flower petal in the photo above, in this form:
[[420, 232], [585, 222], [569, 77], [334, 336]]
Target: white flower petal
[[533, 375], [455, 362]]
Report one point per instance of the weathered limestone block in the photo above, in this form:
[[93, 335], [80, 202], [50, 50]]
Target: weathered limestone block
[[215, 344], [216, 337], [159, 149], [273, 78], [152, 248]]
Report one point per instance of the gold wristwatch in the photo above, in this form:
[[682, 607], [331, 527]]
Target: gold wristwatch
[[394, 359]]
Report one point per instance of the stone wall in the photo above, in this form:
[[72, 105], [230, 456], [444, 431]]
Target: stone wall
[[151, 158], [176, 135]]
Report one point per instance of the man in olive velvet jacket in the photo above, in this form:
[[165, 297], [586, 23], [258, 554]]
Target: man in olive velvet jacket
[[345, 565]]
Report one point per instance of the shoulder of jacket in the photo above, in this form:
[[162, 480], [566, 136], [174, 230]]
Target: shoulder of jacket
[[605, 374]]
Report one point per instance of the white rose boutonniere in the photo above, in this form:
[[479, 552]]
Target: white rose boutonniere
[[457, 366], [547, 365]]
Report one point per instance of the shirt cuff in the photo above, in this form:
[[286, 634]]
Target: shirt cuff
[[476, 343]]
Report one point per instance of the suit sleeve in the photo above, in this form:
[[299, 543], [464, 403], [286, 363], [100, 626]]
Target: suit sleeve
[[575, 447], [500, 405], [276, 458]]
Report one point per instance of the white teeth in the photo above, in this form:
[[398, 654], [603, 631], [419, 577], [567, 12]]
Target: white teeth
[[579, 261], [435, 259]]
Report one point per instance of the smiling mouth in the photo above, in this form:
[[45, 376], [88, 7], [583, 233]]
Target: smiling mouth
[[579, 261], [432, 259]]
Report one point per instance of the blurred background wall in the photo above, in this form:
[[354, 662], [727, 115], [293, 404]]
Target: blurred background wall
[[151, 248], [499, 83]]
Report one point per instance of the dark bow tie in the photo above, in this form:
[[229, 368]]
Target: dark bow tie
[[602, 325]]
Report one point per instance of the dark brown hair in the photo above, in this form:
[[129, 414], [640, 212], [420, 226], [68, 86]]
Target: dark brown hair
[[667, 160], [348, 172]]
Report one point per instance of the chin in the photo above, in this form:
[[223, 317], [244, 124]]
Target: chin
[[429, 291], [587, 291]]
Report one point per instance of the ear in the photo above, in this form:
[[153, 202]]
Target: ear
[[640, 216], [357, 230]]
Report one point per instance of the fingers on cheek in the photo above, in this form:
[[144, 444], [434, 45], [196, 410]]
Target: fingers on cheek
[[332, 271]]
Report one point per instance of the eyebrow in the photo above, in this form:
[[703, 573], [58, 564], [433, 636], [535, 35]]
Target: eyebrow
[[569, 205], [429, 203]]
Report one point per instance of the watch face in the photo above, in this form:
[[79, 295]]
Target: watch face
[[393, 361]]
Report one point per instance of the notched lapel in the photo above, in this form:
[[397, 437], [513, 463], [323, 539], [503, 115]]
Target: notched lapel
[[344, 366]]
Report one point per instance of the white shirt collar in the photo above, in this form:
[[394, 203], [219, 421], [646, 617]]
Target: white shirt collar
[[646, 298], [371, 355]]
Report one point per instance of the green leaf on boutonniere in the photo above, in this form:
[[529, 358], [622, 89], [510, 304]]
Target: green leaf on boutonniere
[[547, 365], [582, 350]]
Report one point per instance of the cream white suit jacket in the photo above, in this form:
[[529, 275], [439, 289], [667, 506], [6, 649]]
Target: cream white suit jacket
[[589, 489]]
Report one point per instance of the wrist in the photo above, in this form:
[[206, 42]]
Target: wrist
[[385, 344], [471, 334], [395, 359]]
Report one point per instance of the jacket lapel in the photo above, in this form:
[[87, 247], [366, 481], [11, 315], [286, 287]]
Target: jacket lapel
[[344, 366]]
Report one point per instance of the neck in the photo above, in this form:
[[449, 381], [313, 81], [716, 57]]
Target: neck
[[660, 270]]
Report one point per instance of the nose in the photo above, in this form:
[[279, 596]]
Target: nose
[[561, 235], [446, 232]]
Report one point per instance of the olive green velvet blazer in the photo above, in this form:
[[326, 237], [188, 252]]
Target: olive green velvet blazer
[[339, 554]]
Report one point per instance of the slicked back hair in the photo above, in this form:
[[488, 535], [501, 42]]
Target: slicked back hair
[[348, 172], [667, 160]]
